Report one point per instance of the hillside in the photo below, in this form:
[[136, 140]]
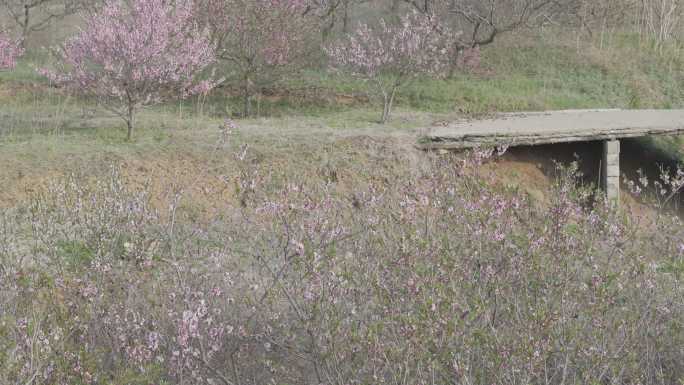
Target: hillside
[[312, 119], [310, 244]]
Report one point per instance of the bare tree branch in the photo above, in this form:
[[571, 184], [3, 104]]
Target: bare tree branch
[[35, 15]]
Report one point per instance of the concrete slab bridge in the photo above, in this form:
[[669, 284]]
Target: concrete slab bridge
[[536, 128]]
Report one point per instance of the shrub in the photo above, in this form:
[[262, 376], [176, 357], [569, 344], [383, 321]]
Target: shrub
[[440, 278]]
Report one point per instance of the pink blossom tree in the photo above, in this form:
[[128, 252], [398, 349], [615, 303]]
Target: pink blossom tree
[[136, 53], [260, 40], [389, 56], [10, 50]]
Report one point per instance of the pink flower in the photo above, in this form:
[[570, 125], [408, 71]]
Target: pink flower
[[10, 50], [389, 55]]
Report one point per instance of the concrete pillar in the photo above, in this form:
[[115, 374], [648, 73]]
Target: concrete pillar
[[610, 170]]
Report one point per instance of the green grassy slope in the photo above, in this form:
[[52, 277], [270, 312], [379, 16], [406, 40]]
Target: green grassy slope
[[533, 73]]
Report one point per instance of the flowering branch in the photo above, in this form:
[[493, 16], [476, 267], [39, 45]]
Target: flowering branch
[[389, 56], [10, 50]]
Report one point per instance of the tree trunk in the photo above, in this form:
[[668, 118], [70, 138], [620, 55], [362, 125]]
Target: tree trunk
[[345, 19], [427, 6], [129, 123], [247, 98], [327, 29], [395, 7], [25, 25], [389, 101], [453, 65], [129, 133], [247, 105]]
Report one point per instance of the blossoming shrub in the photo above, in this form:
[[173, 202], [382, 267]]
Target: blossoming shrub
[[441, 277]]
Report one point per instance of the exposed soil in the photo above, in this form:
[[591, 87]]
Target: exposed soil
[[534, 168]]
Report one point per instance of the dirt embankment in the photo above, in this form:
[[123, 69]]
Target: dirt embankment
[[209, 184], [534, 169]]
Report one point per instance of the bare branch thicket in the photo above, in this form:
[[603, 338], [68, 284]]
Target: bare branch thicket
[[598, 18], [478, 23], [333, 13], [30, 16], [590, 15], [656, 20], [659, 19], [481, 22]]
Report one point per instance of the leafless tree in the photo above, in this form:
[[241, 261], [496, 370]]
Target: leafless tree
[[333, 13], [35, 15], [659, 19], [481, 22], [655, 20], [590, 15]]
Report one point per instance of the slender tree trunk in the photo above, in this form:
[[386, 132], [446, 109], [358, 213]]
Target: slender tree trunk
[[453, 65], [396, 10], [345, 20], [129, 133], [427, 6], [395, 7], [130, 123], [247, 104], [25, 25], [327, 29], [385, 101], [247, 97], [389, 102]]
